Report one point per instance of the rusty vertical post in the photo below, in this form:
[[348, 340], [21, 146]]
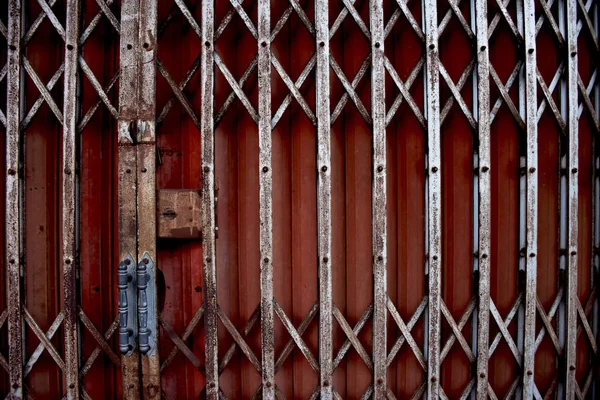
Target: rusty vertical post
[[265, 198], [127, 167], [324, 198], [379, 199], [207, 141], [531, 203], [13, 209], [434, 200], [484, 183], [69, 198], [146, 200], [572, 197]]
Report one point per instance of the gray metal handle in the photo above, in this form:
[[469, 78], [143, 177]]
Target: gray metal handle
[[127, 317], [142, 285]]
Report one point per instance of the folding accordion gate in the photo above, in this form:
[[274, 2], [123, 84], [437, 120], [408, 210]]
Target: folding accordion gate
[[300, 199]]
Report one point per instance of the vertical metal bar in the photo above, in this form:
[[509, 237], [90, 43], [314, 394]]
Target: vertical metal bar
[[13, 205], [483, 124], [146, 194], [265, 198], [324, 198], [69, 201], [127, 166], [379, 199], [208, 200], [531, 216], [434, 205], [572, 216]]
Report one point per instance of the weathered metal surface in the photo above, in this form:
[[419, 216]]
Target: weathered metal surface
[[207, 143], [484, 198], [13, 209], [324, 199], [70, 200], [266, 199], [434, 197], [379, 199], [179, 214], [531, 205]]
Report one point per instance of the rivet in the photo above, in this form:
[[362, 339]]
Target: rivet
[[380, 381], [482, 375], [322, 44], [377, 45], [69, 47], [435, 257], [145, 261], [266, 260], [531, 254], [129, 47], [572, 368], [573, 53], [265, 169], [67, 261], [15, 386], [573, 253], [433, 379], [434, 169], [263, 44], [325, 383], [529, 372], [532, 169], [207, 44], [268, 384], [206, 169], [144, 170], [12, 261], [325, 259], [431, 47], [485, 169], [484, 256], [13, 48], [11, 171], [127, 262], [72, 386], [530, 51], [379, 258], [212, 384], [208, 259], [380, 168], [483, 48], [67, 171], [146, 46], [574, 170], [324, 168], [128, 170]]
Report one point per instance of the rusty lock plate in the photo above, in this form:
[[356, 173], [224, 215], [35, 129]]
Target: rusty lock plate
[[179, 214]]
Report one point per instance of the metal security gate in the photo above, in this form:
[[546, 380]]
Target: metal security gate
[[300, 199]]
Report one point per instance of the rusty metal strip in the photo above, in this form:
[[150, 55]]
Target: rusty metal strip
[[127, 166], [378, 111], [434, 205], [531, 197], [146, 195], [70, 203], [324, 199], [266, 200], [484, 200], [208, 201], [13, 207], [572, 199]]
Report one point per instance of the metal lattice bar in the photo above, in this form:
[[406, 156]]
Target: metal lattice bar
[[434, 190], [208, 201], [484, 186], [266, 199], [324, 199], [70, 204], [13, 207], [531, 204], [379, 199]]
